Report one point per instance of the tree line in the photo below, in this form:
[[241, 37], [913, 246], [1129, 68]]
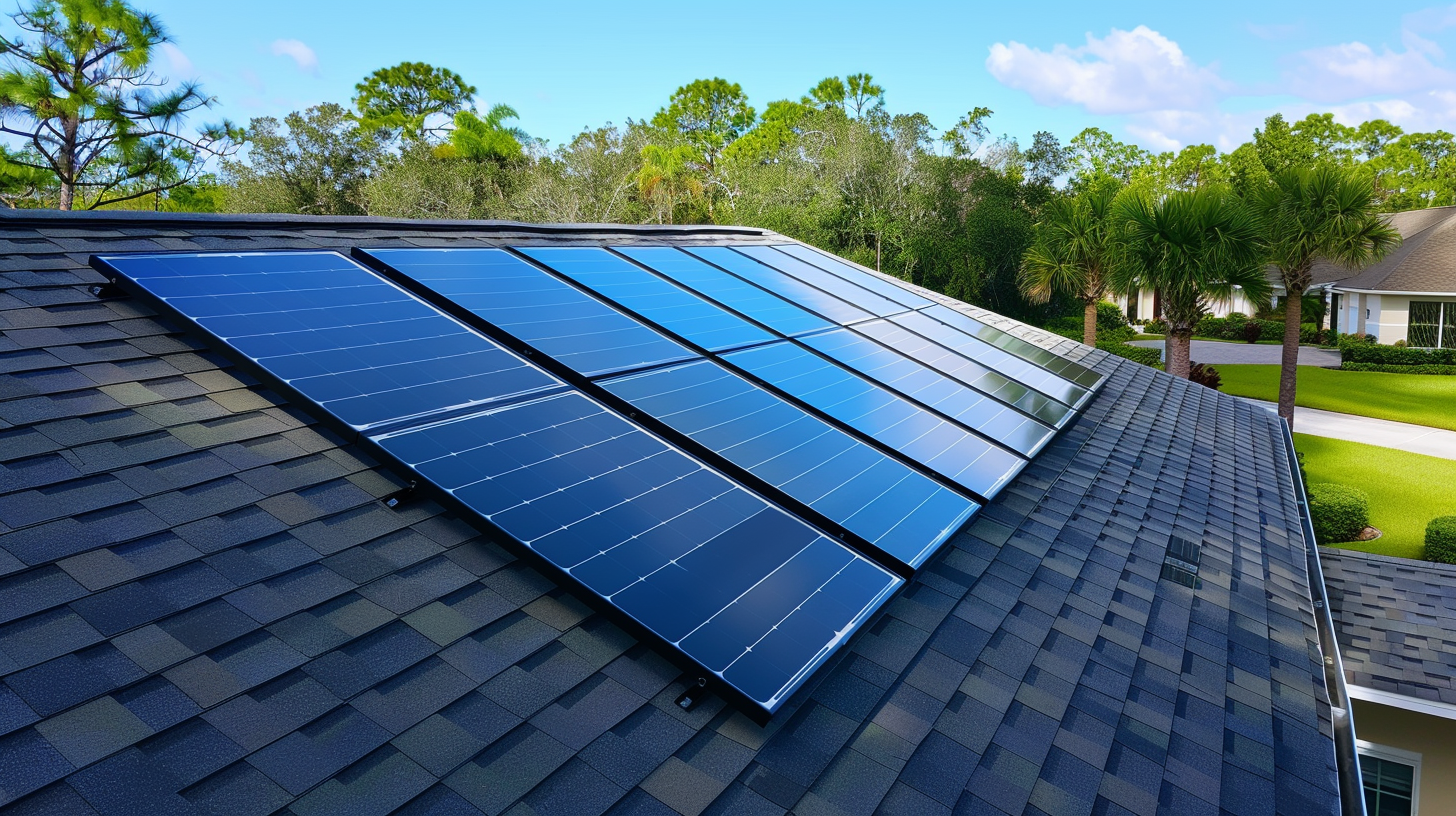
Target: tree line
[[957, 210]]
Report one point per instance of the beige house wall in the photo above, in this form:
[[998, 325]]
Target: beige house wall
[[1434, 738]]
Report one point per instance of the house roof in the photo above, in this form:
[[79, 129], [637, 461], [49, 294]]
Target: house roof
[[1395, 620], [207, 608], [1424, 262]]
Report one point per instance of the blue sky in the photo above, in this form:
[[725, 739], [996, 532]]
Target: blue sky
[[1161, 74]]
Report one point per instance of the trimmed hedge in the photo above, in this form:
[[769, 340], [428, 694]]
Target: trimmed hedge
[[1238, 327], [1395, 355], [1150, 357], [1441, 540], [1339, 513], [1448, 370]]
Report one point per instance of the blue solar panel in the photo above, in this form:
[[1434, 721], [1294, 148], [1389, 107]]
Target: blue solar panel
[[835, 266], [975, 410], [1005, 363], [1054, 363], [849, 292], [972, 373], [554, 317], [340, 335], [921, 436], [791, 289], [735, 293], [751, 593], [868, 493], [643, 293]]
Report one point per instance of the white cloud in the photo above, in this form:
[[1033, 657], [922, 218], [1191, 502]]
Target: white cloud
[[1354, 70], [1125, 72], [178, 63], [299, 52]]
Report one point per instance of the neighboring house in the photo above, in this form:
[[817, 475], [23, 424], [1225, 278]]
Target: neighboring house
[[1143, 304], [1396, 621], [216, 598], [1411, 294]]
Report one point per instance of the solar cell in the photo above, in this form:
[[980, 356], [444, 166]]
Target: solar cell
[[554, 317], [1003, 362], [888, 504], [838, 268], [954, 399], [791, 289], [643, 293], [921, 436], [727, 290], [748, 591], [340, 335]]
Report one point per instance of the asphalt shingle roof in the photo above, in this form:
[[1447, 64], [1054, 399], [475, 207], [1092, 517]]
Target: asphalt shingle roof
[[1424, 262], [1395, 620], [205, 608]]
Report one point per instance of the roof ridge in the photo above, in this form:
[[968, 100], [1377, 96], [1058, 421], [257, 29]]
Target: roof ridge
[[142, 218]]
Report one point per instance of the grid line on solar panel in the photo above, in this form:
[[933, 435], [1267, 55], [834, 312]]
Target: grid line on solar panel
[[1008, 365], [643, 294], [367, 351], [534, 307], [988, 416], [873, 496], [744, 589], [727, 290], [791, 289], [936, 444], [830, 284]]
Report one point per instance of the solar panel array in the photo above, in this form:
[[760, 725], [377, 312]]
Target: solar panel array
[[745, 449]]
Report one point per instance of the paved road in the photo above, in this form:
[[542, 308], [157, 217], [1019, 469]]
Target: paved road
[[1215, 353], [1382, 432]]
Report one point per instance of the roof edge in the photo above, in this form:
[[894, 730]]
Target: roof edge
[[1404, 702], [135, 218]]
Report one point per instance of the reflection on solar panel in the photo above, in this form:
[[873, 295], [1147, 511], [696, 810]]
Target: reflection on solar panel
[[871, 495], [937, 444], [988, 416], [553, 317], [742, 587], [648, 380], [362, 348], [675, 309], [769, 309]]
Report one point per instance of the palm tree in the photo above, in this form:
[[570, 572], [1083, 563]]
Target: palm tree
[[1309, 214], [1074, 251], [487, 138], [666, 179], [1195, 246]]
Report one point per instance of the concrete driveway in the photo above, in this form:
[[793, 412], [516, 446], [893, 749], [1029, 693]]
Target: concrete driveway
[[1213, 352]]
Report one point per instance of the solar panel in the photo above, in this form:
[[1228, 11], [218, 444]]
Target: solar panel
[[791, 289], [640, 292], [554, 317], [748, 591], [849, 292], [974, 374], [339, 335], [921, 436], [868, 493], [988, 416], [838, 268], [1013, 367], [1054, 363], [743, 297]]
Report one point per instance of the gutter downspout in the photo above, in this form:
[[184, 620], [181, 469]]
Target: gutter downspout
[[1347, 762]]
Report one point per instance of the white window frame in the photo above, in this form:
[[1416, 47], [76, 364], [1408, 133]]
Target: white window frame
[[1390, 754]]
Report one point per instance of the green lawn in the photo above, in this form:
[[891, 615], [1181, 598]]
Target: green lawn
[[1406, 490], [1421, 399]]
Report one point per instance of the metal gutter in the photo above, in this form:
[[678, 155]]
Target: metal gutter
[[1347, 762]]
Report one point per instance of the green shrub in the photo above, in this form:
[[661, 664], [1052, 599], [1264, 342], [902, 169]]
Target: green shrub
[[1354, 352], [1441, 540], [1447, 370], [1339, 513], [1147, 356], [1159, 326], [1210, 326], [1311, 334], [1110, 318]]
